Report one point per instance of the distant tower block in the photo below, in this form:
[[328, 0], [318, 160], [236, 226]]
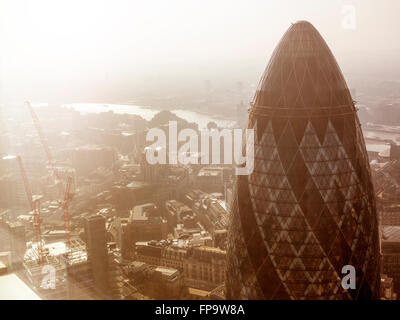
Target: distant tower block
[[241, 112], [4, 144], [96, 244]]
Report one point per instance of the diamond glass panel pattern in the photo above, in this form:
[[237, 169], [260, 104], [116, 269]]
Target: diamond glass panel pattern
[[308, 207]]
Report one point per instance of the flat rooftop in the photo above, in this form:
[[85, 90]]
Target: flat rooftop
[[377, 147], [391, 234], [166, 271], [198, 292], [142, 212], [209, 173], [13, 288], [137, 184]]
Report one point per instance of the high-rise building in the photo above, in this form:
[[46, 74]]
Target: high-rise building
[[97, 253], [17, 239], [87, 158], [146, 223], [3, 135], [12, 189], [308, 208]]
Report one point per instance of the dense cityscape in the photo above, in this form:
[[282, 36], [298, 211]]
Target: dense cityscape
[[131, 226], [84, 214]]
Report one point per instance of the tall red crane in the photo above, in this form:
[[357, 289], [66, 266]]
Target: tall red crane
[[67, 192], [34, 203], [27, 186], [46, 148], [67, 198]]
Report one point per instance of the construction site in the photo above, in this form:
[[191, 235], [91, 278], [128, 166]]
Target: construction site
[[55, 269], [70, 187]]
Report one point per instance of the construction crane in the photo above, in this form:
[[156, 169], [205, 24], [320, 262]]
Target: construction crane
[[67, 191], [67, 198], [46, 148], [28, 190], [34, 203]]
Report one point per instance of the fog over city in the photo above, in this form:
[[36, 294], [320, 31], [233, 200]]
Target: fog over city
[[223, 150], [122, 51]]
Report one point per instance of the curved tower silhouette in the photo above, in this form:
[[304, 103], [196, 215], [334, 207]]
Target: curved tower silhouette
[[308, 208]]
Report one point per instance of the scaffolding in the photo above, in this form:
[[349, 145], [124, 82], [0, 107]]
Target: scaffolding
[[48, 277], [79, 272]]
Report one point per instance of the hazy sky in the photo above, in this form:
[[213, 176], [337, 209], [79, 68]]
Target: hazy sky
[[66, 48]]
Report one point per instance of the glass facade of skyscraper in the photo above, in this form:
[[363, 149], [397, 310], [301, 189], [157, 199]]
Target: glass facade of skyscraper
[[308, 208]]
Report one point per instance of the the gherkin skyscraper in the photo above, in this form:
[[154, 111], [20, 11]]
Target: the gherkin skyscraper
[[308, 208]]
